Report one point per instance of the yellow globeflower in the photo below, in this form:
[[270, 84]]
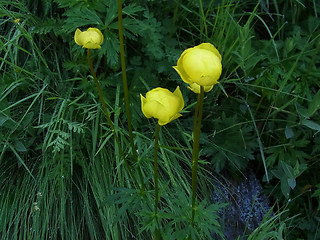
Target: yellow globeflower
[[162, 104], [92, 38], [200, 66]]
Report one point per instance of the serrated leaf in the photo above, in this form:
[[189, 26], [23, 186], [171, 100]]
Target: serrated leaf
[[46, 26], [78, 17], [301, 143], [132, 9], [111, 48], [67, 3], [112, 14]]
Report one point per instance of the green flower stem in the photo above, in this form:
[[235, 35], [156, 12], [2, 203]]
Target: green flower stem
[[104, 106], [125, 90], [195, 150], [156, 186]]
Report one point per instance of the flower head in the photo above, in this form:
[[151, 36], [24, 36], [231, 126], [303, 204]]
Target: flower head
[[92, 38], [200, 66], [162, 104]]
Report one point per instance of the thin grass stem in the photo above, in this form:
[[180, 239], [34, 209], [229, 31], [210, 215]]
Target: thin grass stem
[[156, 186], [106, 112], [126, 91]]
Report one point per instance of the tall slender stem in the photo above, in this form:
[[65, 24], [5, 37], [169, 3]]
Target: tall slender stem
[[106, 112], [126, 91], [195, 150], [156, 186]]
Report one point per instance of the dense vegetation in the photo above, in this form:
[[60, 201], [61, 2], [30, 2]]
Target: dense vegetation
[[61, 172]]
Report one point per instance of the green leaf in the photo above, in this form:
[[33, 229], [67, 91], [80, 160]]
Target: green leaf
[[27, 120], [311, 124], [317, 192], [303, 112], [3, 119], [285, 189], [314, 104], [288, 170], [67, 3], [78, 17], [19, 146], [289, 132], [132, 9], [317, 195], [111, 48], [277, 173], [292, 183]]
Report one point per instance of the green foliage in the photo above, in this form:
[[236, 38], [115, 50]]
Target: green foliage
[[317, 195], [268, 228], [62, 176], [232, 145]]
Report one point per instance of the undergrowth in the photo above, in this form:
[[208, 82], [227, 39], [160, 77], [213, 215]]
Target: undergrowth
[[61, 173]]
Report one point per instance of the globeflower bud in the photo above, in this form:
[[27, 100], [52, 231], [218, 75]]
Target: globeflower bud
[[162, 104], [91, 39], [200, 66]]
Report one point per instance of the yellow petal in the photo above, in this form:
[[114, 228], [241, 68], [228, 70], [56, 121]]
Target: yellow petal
[[76, 37], [143, 101], [178, 94], [82, 38], [179, 68], [208, 80], [182, 74], [157, 110], [211, 48], [91, 45], [202, 66], [196, 88], [155, 94], [98, 36], [91, 39], [166, 98], [175, 117], [162, 104]]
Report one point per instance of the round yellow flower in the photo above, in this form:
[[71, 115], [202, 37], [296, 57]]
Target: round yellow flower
[[162, 104], [200, 65], [92, 38]]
